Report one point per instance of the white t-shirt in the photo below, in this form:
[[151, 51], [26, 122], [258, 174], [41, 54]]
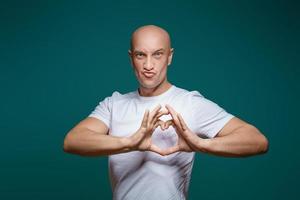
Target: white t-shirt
[[148, 175]]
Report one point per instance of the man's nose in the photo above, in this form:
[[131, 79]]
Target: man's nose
[[148, 65]]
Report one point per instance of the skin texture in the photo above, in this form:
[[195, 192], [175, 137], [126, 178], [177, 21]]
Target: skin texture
[[150, 55]]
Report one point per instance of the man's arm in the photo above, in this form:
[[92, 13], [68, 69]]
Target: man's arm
[[236, 139], [90, 138]]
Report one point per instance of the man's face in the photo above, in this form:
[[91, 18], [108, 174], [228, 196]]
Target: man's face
[[150, 56]]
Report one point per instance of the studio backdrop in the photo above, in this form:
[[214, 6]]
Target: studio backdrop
[[58, 59]]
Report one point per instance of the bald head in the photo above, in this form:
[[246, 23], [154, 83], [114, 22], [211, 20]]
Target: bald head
[[150, 34]]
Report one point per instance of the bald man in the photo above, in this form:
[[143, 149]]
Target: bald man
[[151, 134]]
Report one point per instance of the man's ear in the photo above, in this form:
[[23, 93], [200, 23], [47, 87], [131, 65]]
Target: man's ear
[[170, 56], [130, 57]]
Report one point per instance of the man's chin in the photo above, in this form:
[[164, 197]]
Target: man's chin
[[148, 86]]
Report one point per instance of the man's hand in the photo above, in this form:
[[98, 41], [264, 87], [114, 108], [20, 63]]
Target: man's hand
[[141, 139], [187, 140]]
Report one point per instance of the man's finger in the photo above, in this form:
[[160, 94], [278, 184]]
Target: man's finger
[[171, 111], [171, 150], [186, 133], [159, 123], [158, 115], [169, 123], [161, 113], [154, 113], [145, 118], [174, 116], [182, 123], [156, 149], [190, 138]]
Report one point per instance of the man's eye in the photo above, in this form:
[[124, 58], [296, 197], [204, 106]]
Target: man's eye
[[139, 55], [157, 54]]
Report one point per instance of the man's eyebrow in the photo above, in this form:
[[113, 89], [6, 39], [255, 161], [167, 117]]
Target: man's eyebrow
[[137, 51], [162, 49]]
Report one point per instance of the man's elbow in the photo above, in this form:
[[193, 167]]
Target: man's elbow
[[264, 143], [261, 142], [67, 145]]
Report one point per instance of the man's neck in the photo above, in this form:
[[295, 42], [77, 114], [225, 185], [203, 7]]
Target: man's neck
[[148, 92]]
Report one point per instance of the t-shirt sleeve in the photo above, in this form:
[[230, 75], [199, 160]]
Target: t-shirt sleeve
[[103, 111], [208, 117]]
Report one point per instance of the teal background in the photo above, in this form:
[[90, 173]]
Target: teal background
[[58, 59]]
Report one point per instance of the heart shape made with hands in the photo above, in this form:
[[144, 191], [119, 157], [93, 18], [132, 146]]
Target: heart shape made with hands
[[164, 136], [186, 140]]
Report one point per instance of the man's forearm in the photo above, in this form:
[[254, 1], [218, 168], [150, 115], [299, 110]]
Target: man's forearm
[[89, 143], [242, 142]]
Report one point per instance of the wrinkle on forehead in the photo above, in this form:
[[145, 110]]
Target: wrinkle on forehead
[[151, 33]]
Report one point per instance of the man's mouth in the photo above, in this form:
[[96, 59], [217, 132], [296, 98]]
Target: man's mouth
[[148, 74]]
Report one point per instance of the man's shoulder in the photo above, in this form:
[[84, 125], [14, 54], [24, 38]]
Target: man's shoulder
[[185, 93], [117, 96]]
